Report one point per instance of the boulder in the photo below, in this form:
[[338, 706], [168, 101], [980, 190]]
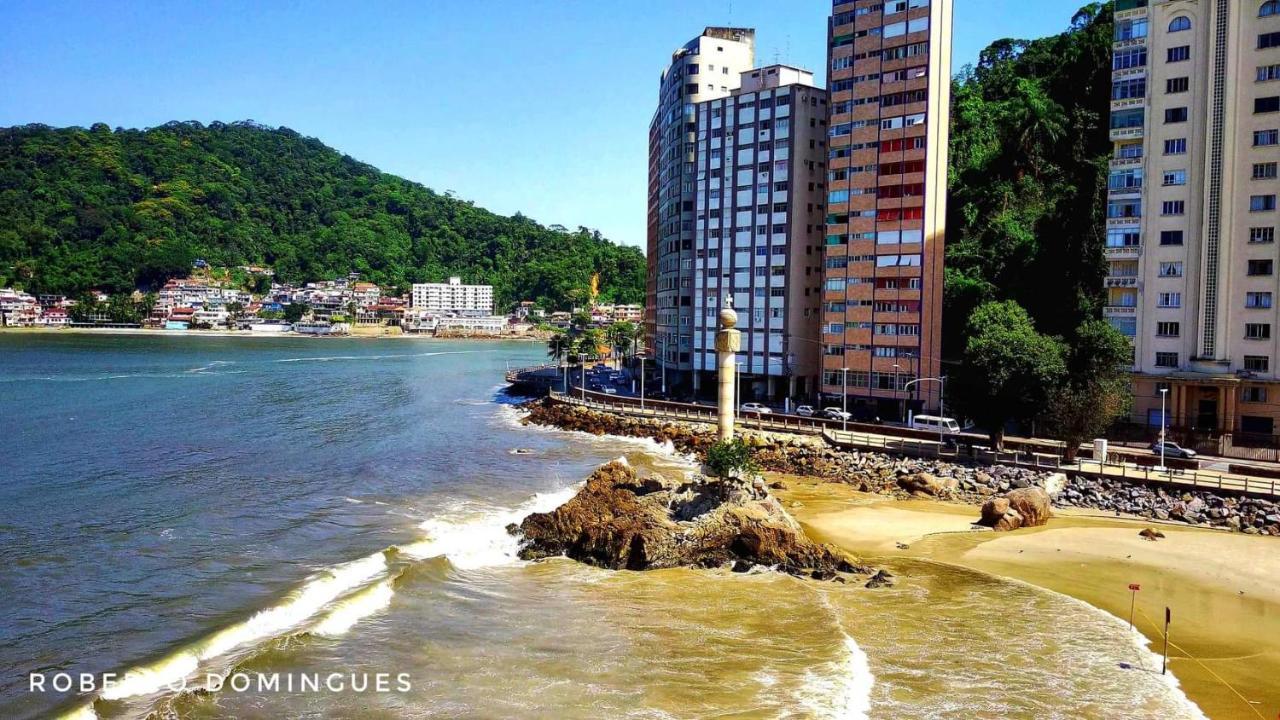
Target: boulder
[[1151, 534], [927, 484], [998, 514], [618, 521], [880, 579], [1032, 504]]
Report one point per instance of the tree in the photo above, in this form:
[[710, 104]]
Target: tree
[[293, 312], [621, 337], [1096, 391], [235, 308], [558, 346], [1009, 370], [731, 458]]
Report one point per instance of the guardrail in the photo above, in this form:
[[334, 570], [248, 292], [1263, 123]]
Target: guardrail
[[513, 374], [921, 447]]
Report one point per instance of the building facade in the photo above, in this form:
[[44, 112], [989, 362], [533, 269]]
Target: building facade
[[890, 94], [1191, 253], [453, 298], [706, 68], [759, 188]]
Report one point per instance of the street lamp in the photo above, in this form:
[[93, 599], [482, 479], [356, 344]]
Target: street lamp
[[942, 388], [642, 383], [895, 390], [844, 398], [737, 390], [1164, 393]]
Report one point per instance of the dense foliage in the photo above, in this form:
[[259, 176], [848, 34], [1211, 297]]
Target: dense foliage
[[1029, 149], [116, 210]]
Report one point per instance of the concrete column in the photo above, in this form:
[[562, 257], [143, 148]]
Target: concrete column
[[728, 343], [1229, 413]]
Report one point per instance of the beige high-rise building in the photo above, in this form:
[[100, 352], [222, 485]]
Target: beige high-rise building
[[1192, 215]]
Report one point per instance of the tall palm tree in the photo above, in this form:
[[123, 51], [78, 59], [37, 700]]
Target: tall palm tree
[[558, 346]]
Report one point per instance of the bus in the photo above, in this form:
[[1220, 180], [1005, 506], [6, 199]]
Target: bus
[[933, 423]]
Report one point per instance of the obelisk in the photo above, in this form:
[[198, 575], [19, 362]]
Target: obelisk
[[728, 342]]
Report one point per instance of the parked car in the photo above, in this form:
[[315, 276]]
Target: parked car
[[610, 391], [835, 413], [756, 408], [1173, 450], [806, 411], [935, 423]]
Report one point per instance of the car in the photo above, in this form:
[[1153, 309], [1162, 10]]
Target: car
[[806, 411], [1173, 450], [834, 413], [610, 391], [756, 408]]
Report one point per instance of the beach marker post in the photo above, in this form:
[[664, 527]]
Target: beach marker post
[[1167, 617], [728, 344], [1133, 601]]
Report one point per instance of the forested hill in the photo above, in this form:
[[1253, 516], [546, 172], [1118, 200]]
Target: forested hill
[[119, 209]]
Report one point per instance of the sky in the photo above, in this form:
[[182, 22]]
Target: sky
[[540, 107]]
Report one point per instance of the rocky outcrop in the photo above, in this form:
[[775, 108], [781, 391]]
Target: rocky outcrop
[[1024, 507], [898, 476], [620, 521]]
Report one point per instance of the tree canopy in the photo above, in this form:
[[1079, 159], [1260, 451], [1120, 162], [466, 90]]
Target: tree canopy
[[1028, 178], [123, 209]]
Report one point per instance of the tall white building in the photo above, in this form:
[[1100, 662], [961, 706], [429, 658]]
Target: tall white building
[[453, 298], [1192, 216]]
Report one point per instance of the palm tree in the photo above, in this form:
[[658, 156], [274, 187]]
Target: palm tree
[[558, 346], [621, 335]]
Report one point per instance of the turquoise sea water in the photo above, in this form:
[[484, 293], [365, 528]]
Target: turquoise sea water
[[175, 507]]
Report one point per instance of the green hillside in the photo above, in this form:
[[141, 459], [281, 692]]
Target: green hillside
[[119, 209]]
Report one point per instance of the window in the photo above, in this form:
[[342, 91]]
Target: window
[[1260, 267], [1262, 235], [1262, 203], [1264, 171], [1173, 207], [1171, 237], [1268, 72], [1123, 238], [1128, 119], [1175, 177], [1269, 8], [1129, 89], [1170, 269], [1169, 300], [1131, 29], [1177, 85], [1176, 146], [1129, 58], [1264, 138], [1175, 115], [1166, 359], [1180, 53], [1168, 329], [1257, 331], [1179, 24], [1266, 105], [1257, 363], [1268, 40], [1253, 394], [1257, 300]]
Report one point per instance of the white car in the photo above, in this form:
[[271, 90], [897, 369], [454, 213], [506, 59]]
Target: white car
[[834, 413], [806, 411], [756, 408]]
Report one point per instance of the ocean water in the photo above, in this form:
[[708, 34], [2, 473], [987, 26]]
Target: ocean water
[[189, 511]]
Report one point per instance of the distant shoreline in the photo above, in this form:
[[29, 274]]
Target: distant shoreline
[[159, 332]]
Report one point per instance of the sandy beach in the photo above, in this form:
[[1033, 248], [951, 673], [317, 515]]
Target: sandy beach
[[1222, 588]]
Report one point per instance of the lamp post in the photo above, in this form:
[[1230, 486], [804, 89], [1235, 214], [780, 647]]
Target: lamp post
[[844, 399], [641, 383], [737, 388], [942, 388], [895, 389], [1164, 393]]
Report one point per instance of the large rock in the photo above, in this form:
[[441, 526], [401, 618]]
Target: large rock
[[1032, 504], [617, 521], [1023, 507], [927, 484]]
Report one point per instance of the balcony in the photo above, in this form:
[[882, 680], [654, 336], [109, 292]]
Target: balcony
[[1120, 281], [1119, 310], [1129, 72], [1129, 43], [1128, 103], [1127, 133], [1125, 162], [1125, 252]]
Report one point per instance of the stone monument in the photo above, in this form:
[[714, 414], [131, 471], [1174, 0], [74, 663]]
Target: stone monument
[[728, 343]]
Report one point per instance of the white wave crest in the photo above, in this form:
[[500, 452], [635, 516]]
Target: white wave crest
[[302, 605], [840, 689], [476, 537], [354, 609]]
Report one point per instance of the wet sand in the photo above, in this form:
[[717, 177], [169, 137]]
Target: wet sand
[[1223, 588]]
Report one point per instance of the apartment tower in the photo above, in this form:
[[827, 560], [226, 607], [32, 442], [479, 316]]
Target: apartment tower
[[706, 68], [890, 92], [1191, 216], [759, 188]]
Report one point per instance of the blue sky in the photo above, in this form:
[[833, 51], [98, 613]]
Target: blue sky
[[540, 107]]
